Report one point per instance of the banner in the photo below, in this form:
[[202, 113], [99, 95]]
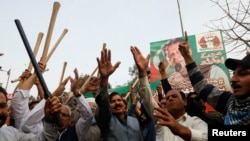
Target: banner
[[208, 52]]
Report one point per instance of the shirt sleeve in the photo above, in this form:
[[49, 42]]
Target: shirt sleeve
[[199, 131], [33, 121], [19, 106], [86, 115], [12, 134], [146, 95], [103, 112]]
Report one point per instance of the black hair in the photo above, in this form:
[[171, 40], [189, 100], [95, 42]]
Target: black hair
[[195, 105], [112, 94], [183, 95], [170, 42], [190, 94]]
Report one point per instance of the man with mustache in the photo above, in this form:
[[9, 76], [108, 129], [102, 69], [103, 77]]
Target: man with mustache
[[236, 105], [111, 114]]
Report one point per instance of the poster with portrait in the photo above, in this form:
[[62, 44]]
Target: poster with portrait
[[208, 51]]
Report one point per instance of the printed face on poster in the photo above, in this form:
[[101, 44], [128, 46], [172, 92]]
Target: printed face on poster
[[208, 51]]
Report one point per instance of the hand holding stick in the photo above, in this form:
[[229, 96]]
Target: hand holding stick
[[47, 94], [136, 81], [87, 81], [92, 74], [19, 79]]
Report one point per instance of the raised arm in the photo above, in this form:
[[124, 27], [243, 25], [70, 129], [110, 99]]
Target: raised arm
[[106, 68], [163, 65], [20, 106], [144, 87], [208, 92], [84, 122]]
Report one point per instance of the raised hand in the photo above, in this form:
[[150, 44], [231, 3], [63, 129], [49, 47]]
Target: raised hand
[[75, 88], [163, 66], [26, 74], [166, 119], [185, 50], [105, 66], [42, 66], [140, 61], [60, 89], [52, 106], [92, 85]]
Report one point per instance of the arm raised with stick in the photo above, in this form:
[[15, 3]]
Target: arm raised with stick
[[92, 74], [136, 81], [47, 94]]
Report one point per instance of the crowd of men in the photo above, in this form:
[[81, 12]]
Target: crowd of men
[[173, 116]]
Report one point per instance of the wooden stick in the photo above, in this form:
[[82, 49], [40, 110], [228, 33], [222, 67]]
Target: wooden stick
[[56, 7], [56, 45], [136, 81], [63, 71], [19, 79], [38, 42], [88, 79]]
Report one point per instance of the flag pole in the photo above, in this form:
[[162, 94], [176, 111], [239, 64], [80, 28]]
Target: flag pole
[[179, 9]]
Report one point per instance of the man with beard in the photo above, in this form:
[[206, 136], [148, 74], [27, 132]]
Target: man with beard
[[111, 114], [10, 133]]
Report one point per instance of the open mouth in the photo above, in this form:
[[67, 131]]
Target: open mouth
[[118, 108], [236, 87]]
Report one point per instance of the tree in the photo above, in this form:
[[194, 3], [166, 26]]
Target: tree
[[133, 72], [234, 24]]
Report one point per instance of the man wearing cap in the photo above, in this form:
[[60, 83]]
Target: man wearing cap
[[236, 105], [94, 132]]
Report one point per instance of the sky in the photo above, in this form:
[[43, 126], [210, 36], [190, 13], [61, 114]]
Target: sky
[[90, 23]]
